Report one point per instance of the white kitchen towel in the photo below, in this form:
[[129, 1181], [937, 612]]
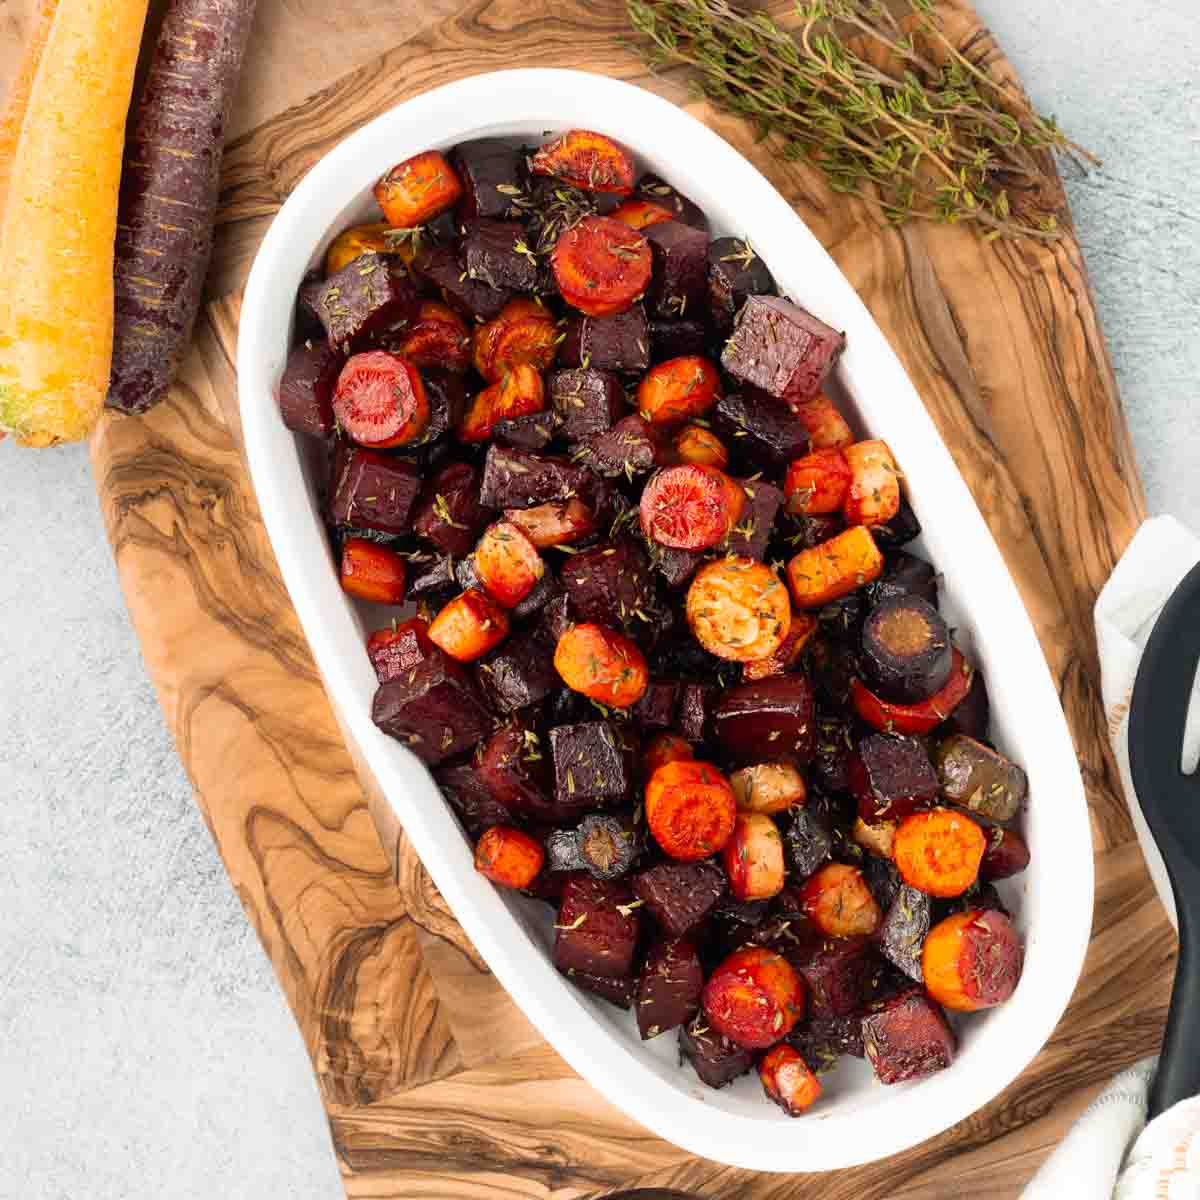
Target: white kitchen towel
[[1100, 1159]]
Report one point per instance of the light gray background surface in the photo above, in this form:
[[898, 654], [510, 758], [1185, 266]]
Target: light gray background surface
[[145, 1049]]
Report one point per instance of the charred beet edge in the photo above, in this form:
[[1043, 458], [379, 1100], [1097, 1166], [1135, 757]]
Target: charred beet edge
[[891, 776], [734, 272], [902, 934], [533, 431], [441, 267], [597, 928], [760, 429], [669, 989], [624, 451], [972, 716], [586, 399], [521, 479], [306, 389], [512, 764], [449, 513], [520, 671], [592, 767], [680, 895], [495, 253], [906, 651], [750, 535], [907, 1037], [472, 800], [618, 343], [373, 491], [900, 530], [490, 171], [714, 1058]]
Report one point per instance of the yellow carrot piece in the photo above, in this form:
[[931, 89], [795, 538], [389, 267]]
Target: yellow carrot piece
[[18, 96], [59, 222]]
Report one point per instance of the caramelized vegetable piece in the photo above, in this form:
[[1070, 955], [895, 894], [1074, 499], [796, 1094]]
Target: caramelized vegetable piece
[[508, 857], [974, 775], [906, 650], [715, 1059], [920, 718], [1006, 854], [601, 266], [782, 660], [520, 671], [593, 766], [469, 626], [753, 857], [734, 272], [437, 339], [399, 647], [825, 426], [771, 715], [380, 400], [679, 275], [602, 665], [587, 401], [701, 447], [939, 852], [902, 934], [836, 971], [476, 807], [306, 388], [490, 171], [607, 846], [972, 960], [597, 927], [372, 572], [669, 987], [627, 449], [818, 483], [507, 563], [690, 809], [619, 992], [873, 497], [519, 393], [754, 998], [417, 190], [739, 609], [680, 895], [834, 568], [558, 523], [787, 1080], [439, 266], [665, 748], [358, 240], [586, 160], [907, 1037], [526, 328], [889, 776], [769, 787], [678, 389], [373, 491], [449, 513], [618, 343], [839, 903], [370, 296], [760, 429], [875, 837], [520, 479], [640, 213], [690, 508]]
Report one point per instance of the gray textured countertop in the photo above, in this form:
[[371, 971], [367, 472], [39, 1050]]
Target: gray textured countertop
[[144, 1047]]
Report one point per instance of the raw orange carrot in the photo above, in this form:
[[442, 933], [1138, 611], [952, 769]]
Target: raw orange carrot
[[18, 96], [59, 222]]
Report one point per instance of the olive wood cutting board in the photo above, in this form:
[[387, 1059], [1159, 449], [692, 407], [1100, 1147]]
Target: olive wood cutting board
[[434, 1083]]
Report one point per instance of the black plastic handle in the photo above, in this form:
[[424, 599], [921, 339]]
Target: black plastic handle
[[1170, 801]]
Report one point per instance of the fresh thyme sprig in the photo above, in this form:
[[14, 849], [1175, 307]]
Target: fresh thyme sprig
[[936, 136]]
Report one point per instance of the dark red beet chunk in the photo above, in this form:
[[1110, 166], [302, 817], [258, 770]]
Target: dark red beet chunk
[[490, 171], [900, 530], [680, 895], [713, 1056], [759, 429], [513, 767], [891, 777], [624, 451], [692, 717], [972, 716], [449, 513], [822, 1042], [490, 255], [734, 272], [902, 934], [807, 842], [447, 403], [751, 534], [435, 710], [586, 399], [477, 808], [908, 1037], [306, 389], [659, 191], [366, 297], [836, 971], [675, 566], [533, 431], [616, 991], [521, 479], [677, 339], [619, 343], [545, 590], [656, 708], [520, 671], [308, 317], [592, 767], [596, 930], [374, 491], [439, 266], [1006, 855], [831, 763], [399, 649], [781, 348], [432, 576], [680, 279], [556, 619], [768, 717], [669, 988], [905, 575], [609, 585]]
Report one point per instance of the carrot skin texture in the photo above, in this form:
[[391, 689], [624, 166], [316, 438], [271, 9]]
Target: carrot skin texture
[[18, 95], [169, 193]]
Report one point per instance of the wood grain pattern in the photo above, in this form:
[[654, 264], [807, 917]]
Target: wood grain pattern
[[435, 1085]]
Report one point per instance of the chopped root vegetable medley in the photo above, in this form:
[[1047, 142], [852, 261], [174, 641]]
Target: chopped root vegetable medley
[[669, 663]]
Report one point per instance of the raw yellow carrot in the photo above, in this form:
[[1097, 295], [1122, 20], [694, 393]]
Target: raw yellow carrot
[[59, 222]]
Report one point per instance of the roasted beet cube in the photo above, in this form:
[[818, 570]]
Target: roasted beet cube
[[472, 800], [821, 1042], [306, 389], [616, 991], [805, 532], [908, 1037], [781, 348], [901, 936], [759, 429], [836, 971], [435, 710], [680, 276], [520, 671], [597, 927], [609, 585], [972, 716], [432, 576], [656, 708], [495, 253], [533, 431], [545, 590], [668, 992], [398, 649], [308, 316], [751, 534], [521, 479], [440, 266], [626, 450], [449, 513], [374, 491], [593, 766], [771, 716], [680, 895], [713, 1056], [366, 297], [904, 575], [674, 565], [891, 776], [490, 171], [659, 192], [807, 842], [513, 767], [734, 272], [619, 343], [677, 339], [831, 762], [586, 399], [900, 530], [692, 715]]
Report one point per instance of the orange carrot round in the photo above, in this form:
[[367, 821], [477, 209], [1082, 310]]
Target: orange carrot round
[[972, 960], [508, 857], [437, 338], [939, 852], [601, 664], [587, 160], [601, 266], [817, 483], [418, 189], [518, 394], [690, 508], [469, 626], [640, 213], [678, 389], [690, 809], [739, 609], [839, 903], [701, 447], [507, 563], [754, 998], [525, 331]]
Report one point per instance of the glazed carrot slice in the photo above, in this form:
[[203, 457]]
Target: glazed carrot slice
[[358, 240], [678, 389], [739, 609], [640, 213], [701, 447], [438, 338], [690, 808], [417, 190], [788, 1081], [834, 568], [939, 852], [469, 626], [587, 160], [602, 267], [873, 494], [601, 664], [826, 427], [839, 903], [380, 400], [507, 563], [782, 660], [972, 960], [754, 997], [817, 483], [690, 508], [519, 393], [508, 857], [485, 341], [556, 523], [753, 857], [372, 572]]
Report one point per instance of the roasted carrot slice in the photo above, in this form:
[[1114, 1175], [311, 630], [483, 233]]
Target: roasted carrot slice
[[739, 609], [507, 563], [769, 787], [519, 393], [873, 497], [602, 267], [380, 400], [920, 718], [678, 389], [834, 568], [640, 213], [839, 903], [690, 508], [522, 312], [817, 483], [782, 660], [939, 852], [372, 572], [531, 339], [417, 190], [753, 857], [826, 427], [701, 447], [587, 160], [558, 523], [358, 240], [508, 857], [690, 809], [665, 748], [754, 997], [788, 1081], [601, 664], [972, 960], [469, 626], [438, 338]]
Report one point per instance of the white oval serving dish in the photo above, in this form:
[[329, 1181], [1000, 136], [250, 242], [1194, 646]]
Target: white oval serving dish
[[857, 1120]]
